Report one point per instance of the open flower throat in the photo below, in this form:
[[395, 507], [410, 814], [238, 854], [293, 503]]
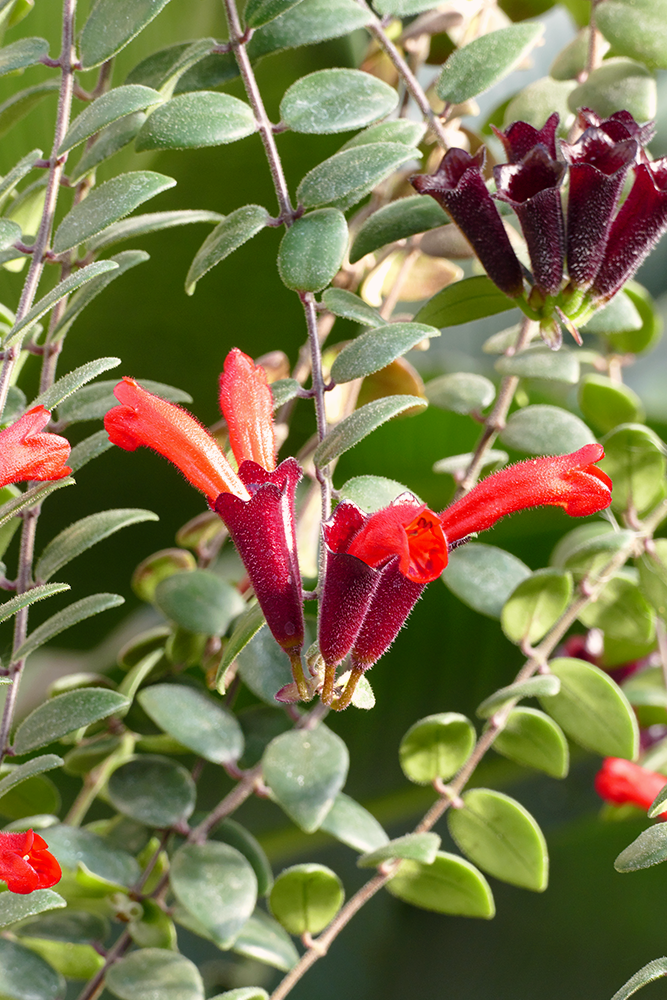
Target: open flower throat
[[376, 564]]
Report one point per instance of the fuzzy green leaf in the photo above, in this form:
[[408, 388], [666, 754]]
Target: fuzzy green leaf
[[545, 430], [348, 176], [235, 230], [65, 713], [108, 108], [68, 384], [25, 52], [155, 972], [483, 576], [486, 60], [361, 423], [336, 100], [112, 24], [195, 720], [153, 790], [194, 120], [377, 348], [217, 885], [464, 301], [72, 615], [83, 534], [312, 250], [397, 221]]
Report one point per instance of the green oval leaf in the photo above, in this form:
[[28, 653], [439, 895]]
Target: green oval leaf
[[397, 130], [106, 204], [74, 847], [199, 601], [353, 825], [85, 533], [195, 720], [153, 790], [232, 833], [500, 836], [10, 232], [305, 898], [483, 576], [336, 100], [449, 885], [554, 366], [235, 230], [150, 222], [533, 739], [65, 713], [308, 22], [14, 907], [108, 142], [26, 976], [31, 767], [69, 383], [155, 972], [200, 118], [657, 969], [461, 392], [25, 52], [652, 568], [16, 107], [112, 24], [217, 885], [312, 250], [108, 108], [10, 608], [422, 847], [259, 12], [353, 429], [484, 61], [347, 177], [88, 449], [620, 315], [592, 709], [634, 459], [72, 615], [248, 625], [534, 687], [263, 667], [283, 390], [62, 289], [650, 848], [464, 301], [35, 495], [536, 605], [396, 221], [263, 939], [618, 84], [545, 430], [305, 771], [436, 747], [622, 612], [371, 493], [18, 172], [347, 305], [377, 348], [606, 404]]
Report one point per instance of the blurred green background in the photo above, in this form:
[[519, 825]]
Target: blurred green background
[[593, 927]]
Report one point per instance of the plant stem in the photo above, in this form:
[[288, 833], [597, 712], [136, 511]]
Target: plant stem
[[242, 791], [496, 420], [265, 128], [410, 80], [93, 988], [589, 591]]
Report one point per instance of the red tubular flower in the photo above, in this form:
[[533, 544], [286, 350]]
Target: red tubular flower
[[639, 224], [257, 505], [532, 188], [264, 533], [26, 864], [458, 185], [620, 781], [145, 419], [598, 167], [26, 454], [521, 137], [247, 406], [377, 566], [568, 481], [621, 125]]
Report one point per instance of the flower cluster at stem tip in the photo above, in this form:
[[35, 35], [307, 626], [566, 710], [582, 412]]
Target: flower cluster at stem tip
[[377, 564], [26, 863], [580, 259]]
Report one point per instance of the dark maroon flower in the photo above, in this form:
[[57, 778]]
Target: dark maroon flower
[[621, 125], [263, 530], [598, 167], [458, 185], [521, 137], [639, 224], [532, 187]]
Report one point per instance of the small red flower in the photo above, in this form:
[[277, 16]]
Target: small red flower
[[27, 454], [247, 405], [620, 781], [145, 419], [26, 864]]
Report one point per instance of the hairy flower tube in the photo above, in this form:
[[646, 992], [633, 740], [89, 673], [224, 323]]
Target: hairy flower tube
[[27, 454], [257, 504], [26, 864], [458, 186], [378, 564], [520, 138], [620, 781]]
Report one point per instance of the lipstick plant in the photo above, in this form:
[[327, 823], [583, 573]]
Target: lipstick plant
[[381, 416]]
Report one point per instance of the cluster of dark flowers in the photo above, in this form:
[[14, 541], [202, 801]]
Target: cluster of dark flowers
[[581, 257]]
